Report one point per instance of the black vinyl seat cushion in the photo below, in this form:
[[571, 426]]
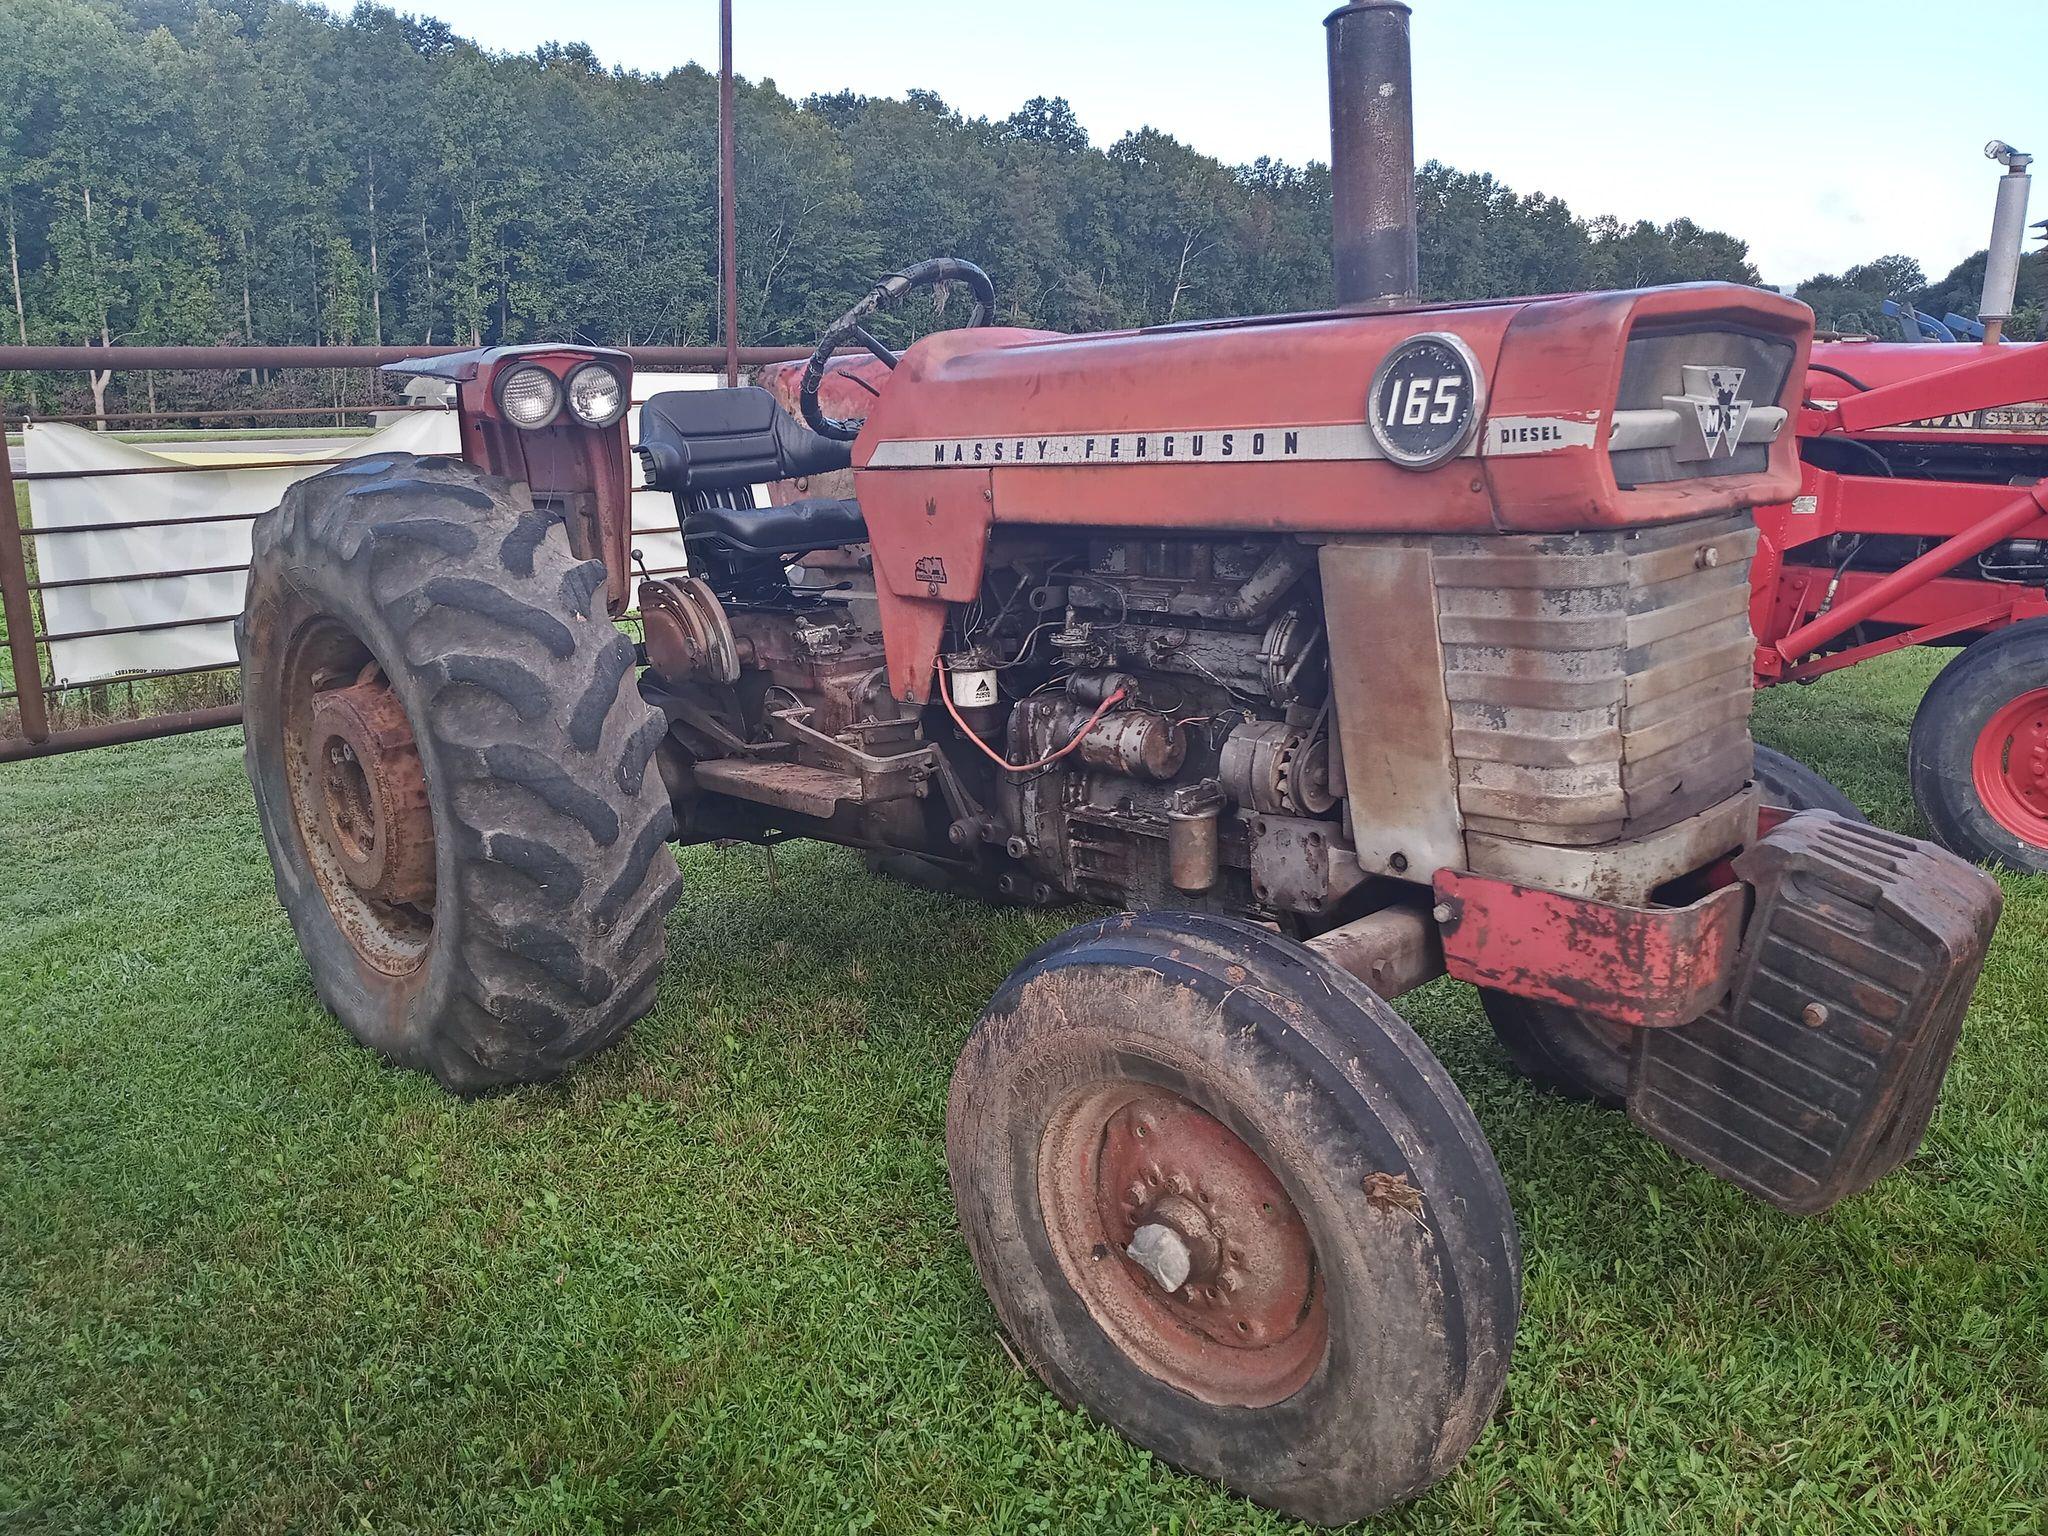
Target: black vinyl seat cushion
[[816, 522], [700, 442]]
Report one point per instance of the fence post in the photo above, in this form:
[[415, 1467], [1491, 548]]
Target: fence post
[[16, 605]]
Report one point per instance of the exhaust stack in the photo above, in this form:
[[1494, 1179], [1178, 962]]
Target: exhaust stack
[[2008, 233], [1372, 155]]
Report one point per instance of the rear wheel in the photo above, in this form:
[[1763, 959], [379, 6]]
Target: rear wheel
[[450, 760], [1583, 1057], [1979, 751], [1224, 1199]]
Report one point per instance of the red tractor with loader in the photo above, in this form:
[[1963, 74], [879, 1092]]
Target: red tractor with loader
[[1922, 519], [1331, 652]]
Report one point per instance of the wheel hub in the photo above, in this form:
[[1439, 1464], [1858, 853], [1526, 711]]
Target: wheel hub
[[370, 797], [2010, 766], [1184, 1245]]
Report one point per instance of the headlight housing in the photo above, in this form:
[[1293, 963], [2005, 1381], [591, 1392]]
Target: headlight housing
[[597, 395], [529, 396]]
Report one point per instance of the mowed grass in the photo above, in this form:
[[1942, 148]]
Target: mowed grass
[[253, 1280]]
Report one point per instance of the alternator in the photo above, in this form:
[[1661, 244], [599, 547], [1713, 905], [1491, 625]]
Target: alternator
[[1271, 766]]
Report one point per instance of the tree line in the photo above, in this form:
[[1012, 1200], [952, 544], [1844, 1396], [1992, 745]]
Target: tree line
[[258, 171]]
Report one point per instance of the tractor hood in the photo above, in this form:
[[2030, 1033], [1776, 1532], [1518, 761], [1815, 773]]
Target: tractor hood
[[1573, 412]]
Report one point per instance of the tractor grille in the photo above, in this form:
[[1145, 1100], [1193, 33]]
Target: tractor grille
[[1599, 682]]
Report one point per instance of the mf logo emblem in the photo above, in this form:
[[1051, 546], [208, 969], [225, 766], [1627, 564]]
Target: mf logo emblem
[[1711, 412]]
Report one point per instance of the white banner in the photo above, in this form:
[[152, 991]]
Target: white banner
[[107, 556], [184, 532]]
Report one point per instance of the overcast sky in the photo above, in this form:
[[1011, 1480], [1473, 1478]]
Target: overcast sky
[[1823, 132]]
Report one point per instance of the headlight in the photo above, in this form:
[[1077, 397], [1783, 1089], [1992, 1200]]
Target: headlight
[[597, 395], [529, 396]]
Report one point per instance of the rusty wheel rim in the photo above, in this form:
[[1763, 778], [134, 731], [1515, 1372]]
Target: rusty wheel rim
[[358, 794], [2010, 766], [1184, 1246]]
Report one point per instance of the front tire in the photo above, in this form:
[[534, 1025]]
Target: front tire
[[450, 759], [1224, 1199], [1790, 785], [1978, 755]]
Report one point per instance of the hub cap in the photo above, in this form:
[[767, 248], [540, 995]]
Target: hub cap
[[358, 792], [2010, 767], [1183, 1245], [372, 800]]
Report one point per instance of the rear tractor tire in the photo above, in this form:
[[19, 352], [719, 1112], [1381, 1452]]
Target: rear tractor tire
[[1226, 1201], [1978, 755], [1586, 1058], [451, 763]]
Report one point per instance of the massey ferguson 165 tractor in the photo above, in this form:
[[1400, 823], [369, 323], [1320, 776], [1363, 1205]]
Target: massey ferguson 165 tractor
[[1332, 652]]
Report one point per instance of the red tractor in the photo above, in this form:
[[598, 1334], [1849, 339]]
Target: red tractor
[[1331, 652], [1922, 519]]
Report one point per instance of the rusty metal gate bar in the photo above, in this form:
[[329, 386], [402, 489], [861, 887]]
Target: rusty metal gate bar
[[25, 639]]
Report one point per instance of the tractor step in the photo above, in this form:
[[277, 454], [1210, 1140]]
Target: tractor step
[[796, 787], [1817, 1075]]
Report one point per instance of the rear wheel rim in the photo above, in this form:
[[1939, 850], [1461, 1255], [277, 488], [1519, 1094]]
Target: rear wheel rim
[[2010, 767], [1139, 1188], [358, 795]]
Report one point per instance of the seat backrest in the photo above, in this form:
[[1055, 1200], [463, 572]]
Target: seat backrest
[[708, 440]]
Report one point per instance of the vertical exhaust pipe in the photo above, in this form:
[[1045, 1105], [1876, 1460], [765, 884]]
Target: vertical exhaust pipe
[[2008, 234], [1372, 155]]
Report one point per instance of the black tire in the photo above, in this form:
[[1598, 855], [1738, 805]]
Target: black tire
[[552, 876], [1561, 1048], [1585, 1058], [1790, 785], [1415, 1248], [1962, 707]]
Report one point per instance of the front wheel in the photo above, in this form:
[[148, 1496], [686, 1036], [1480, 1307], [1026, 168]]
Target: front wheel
[[1224, 1199], [1790, 785], [1979, 751], [450, 758]]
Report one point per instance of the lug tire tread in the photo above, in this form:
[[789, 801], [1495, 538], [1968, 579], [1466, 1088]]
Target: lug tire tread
[[551, 829]]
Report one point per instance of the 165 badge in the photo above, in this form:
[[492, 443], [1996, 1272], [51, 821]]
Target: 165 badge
[[1426, 400]]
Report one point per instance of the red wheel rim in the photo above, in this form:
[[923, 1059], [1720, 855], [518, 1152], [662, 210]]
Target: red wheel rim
[[2010, 767], [1245, 1325]]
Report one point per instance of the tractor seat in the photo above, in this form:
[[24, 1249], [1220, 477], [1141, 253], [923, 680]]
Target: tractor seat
[[701, 442], [816, 522]]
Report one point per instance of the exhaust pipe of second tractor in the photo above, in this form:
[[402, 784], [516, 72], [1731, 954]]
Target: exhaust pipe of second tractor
[[1372, 155], [2008, 235]]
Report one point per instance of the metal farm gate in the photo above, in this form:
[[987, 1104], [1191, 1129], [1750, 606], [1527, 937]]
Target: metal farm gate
[[33, 683]]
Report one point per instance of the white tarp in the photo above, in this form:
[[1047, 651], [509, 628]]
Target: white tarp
[[187, 533], [190, 505]]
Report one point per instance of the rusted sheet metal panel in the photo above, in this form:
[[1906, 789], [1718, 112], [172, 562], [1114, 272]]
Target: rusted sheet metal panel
[[1652, 967], [1818, 1075], [1393, 721]]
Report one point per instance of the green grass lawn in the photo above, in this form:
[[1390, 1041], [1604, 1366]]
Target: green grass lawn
[[251, 1280]]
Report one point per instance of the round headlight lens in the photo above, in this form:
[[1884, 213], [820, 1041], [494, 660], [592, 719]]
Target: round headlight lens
[[597, 395], [529, 396]]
